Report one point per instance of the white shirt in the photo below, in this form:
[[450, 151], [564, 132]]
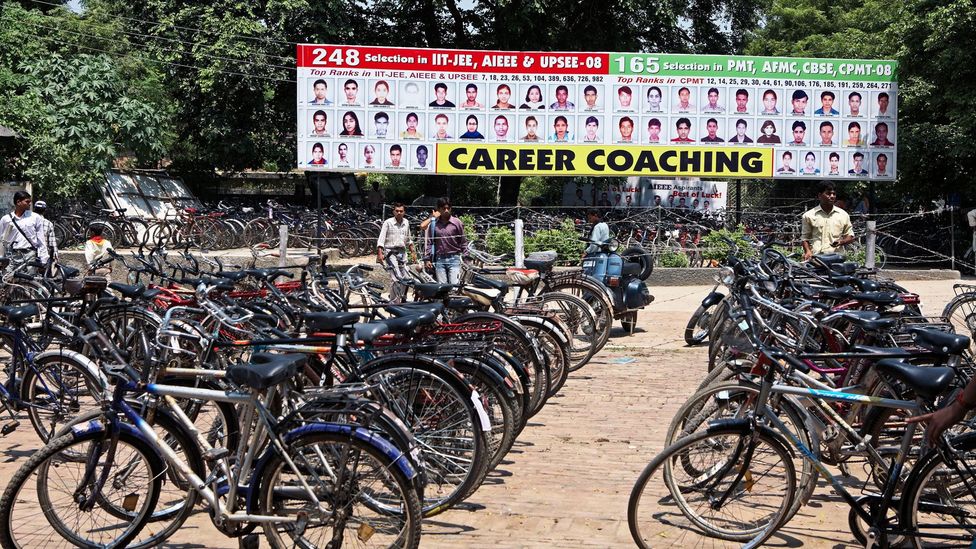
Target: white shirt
[[32, 226], [94, 252], [394, 235], [601, 233]]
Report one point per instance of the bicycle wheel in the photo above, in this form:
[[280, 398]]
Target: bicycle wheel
[[739, 496], [696, 332], [939, 501], [500, 408], [57, 388], [45, 489], [580, 321], [961, 313], [368, 500]]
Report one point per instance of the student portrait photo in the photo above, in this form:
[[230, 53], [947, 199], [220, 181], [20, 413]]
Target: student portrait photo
[[883, 106], [799, 129], [411, 127], [411, 95], [381, 94], [684, 104], [833, 160], [350, 93], [857, 165], [854, 102], [881, 132], [741, 103], [655, 100], [531, 135], [767, 133], [350, 125], [625, 99], [786, 164], [854, 138], [503, 95], [471, 97], [591, 99], [770, 102], [500, 129], [381, 125], [562, 102], [654, 126], [343, 157], [741, 132], [625, 130], [320, 92], [370, 157], [320, 124], [394, 157], [533, 99], [472, 125], [318, 155], [561, 130], [711, 132], [592, 133], [827, 98], [826, 135], [881, 165], [798, 103], [712, 102], [422, 154], [441, 127], [441, 100], [810, 164], [682, 131]]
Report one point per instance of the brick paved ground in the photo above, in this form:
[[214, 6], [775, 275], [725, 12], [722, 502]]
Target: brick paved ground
[[568, 478]]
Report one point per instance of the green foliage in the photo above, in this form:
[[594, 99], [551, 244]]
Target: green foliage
[[76, 111], [674, 259], [470, 230], [565, 240], [500, 240], [714, 246]]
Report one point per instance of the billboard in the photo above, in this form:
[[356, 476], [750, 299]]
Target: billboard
[[415, 110], [644, 192]]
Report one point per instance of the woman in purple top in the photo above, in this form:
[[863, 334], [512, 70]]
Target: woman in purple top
[[445, 243]]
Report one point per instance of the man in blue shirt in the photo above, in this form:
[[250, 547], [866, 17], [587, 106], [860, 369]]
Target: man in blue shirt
[[827, 104]]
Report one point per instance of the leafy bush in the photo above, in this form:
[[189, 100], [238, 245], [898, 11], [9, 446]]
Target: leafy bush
[[470, 231], [565, 240], [500, 240], [714, 247], [673, 259]]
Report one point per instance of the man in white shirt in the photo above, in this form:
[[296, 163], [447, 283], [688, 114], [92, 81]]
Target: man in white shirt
[[50, 239], [22, 234], [393, 241], [601, 231]]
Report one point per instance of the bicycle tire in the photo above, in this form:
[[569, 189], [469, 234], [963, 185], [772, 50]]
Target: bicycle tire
[[696, 331], [43, 389], [393, 481], [41, 464], [961, 313], [580, 321]]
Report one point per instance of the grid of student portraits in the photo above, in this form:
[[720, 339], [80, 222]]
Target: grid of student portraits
[[372, 123]]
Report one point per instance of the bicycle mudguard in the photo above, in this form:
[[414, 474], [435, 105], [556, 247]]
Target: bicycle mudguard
[[485, 367], [712, 299], [553, 327], [82, 361], [400, 459], [481, 315]]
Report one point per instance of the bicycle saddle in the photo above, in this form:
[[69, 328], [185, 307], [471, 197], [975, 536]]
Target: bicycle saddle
[[891, 352], [869, 321], [369, 331], [69, 272], [265, 370], [940, 342], [543, 266], [877, 298], [433, 290], [862, 284], [16, 314], [130, 291], [329, 322], [829, 259], [843, 292], [927, 382], [407, 324], [459, 303], [485, 282], [409, 309]]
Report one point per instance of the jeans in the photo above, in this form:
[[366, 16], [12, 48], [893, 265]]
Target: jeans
[[396, 265], [447, 268]]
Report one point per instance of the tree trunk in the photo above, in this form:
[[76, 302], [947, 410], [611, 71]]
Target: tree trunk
[[508, 190]]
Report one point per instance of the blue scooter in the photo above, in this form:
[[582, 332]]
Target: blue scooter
[[622, 277]]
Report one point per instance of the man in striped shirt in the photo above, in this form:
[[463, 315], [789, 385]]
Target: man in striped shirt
[[391, 247]]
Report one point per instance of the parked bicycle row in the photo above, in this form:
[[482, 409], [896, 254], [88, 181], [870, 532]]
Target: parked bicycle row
[[813, 365], [305, 405]]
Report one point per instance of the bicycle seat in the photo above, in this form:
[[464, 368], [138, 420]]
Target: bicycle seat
[[151, 293], [236, 276], [485, 282], [18, 313], [927, 382], [329, 322], [130, 291], [484, 296], [877, 298], [407, 324], [542, 266], [433, 290], [862, 284], [940, 342], [843, 292], [409, 309], [829, 259], [869, 321], [265, 370], [69, 272], [459, 303], [845, 268], [369, 331], [892, 352]]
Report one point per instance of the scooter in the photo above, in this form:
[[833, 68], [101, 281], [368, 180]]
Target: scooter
[[622, 277]]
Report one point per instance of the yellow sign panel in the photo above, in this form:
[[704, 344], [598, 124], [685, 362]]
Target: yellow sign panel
[[604, 160]]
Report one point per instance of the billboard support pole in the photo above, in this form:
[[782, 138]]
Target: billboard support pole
[[738, 202], [869, 254]]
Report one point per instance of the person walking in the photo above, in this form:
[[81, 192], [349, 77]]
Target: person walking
[[22, 234], [826, 228], [391, 250], [446, 243]]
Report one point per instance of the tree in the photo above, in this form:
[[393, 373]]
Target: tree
[[76, 108]]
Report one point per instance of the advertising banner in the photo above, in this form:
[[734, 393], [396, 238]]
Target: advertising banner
[[644, 192], [366, 108]]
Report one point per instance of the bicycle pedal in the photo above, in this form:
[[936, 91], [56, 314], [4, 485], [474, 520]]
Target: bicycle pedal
[[250, 541], [9, 427], [214, 454]]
